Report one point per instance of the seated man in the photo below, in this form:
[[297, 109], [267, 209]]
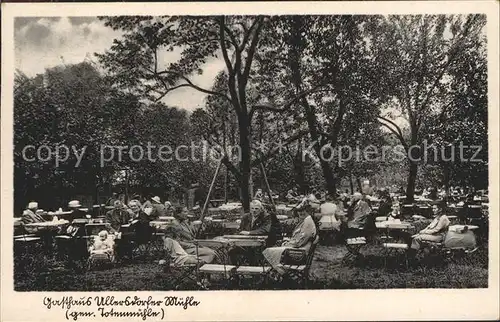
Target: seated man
[[260, 222], [76, 211], [117, 216], [435, 231], [30, 216], [185, 234]]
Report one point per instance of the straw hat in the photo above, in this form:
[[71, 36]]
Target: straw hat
[[74, 204], [156, 199], [33, 205]]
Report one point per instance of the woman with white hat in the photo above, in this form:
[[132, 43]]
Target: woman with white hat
[[158, 209], [30, 215]]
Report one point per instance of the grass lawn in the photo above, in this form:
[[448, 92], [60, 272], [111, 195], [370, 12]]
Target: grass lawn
[[328, 271]]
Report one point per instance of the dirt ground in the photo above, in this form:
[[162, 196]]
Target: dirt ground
[[328, 271]]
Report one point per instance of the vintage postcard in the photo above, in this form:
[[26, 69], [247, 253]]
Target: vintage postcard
[[250, 161]]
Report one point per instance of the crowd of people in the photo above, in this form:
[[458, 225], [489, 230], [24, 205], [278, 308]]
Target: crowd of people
[[353, 216]]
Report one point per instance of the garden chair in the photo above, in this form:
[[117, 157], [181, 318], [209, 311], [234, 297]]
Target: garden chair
[[187, 272], [300, 273]]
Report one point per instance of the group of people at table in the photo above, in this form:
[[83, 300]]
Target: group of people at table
[[180, 241]]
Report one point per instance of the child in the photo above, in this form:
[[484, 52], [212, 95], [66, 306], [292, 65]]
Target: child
[[103, 245]]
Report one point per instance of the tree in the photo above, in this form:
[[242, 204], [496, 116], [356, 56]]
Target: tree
[[327, 57], [134, 61], [415, 55], [67, 105]]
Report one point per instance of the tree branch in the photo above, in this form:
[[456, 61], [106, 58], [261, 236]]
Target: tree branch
[[223, 46], [397, 131], [248, 32], [288, 141], [452, 53], [191, 84], [285, 106], [251, 50]]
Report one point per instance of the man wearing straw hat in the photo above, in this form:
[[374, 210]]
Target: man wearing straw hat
[[76, 211]]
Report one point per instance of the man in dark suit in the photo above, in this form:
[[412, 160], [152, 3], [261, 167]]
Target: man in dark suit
[[76, 211], [260, 222]]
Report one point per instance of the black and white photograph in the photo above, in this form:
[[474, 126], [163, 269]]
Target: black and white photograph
[[250, 152]]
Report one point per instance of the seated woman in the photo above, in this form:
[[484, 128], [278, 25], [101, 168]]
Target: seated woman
[[435, 231], [177, 254], [303, 237], [357, 217], [185, 234], [30, 215]]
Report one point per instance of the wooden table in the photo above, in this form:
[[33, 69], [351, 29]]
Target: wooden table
[[389, 226], [393, 225], [166, 218], [160, 225], [253, 237], [47, 231]]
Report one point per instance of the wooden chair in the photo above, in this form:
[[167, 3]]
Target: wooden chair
[[300, 273], [188, 272]]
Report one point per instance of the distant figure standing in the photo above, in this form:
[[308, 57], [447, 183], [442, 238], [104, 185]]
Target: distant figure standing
[[195, 196]]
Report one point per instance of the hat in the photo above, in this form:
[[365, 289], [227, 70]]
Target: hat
[[156, 199], [33, 205], [257, 203], [74, 204], [168, 203]]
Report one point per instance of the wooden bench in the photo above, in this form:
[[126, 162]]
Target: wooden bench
[[395, 248], [227, 272]]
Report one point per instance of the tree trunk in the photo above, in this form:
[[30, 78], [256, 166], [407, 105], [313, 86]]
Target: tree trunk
[[446, 171], [412, 177], [358, 182], [295, 64], [245, 162], [351, 185]]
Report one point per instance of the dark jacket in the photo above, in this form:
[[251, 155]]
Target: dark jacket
[[77, 214], [142, 229], [385, 208], [265, 224], [117, 217]]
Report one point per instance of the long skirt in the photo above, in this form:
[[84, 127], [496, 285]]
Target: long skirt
[[273, 257], [178, 255], [205, 254], [416, 242]]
